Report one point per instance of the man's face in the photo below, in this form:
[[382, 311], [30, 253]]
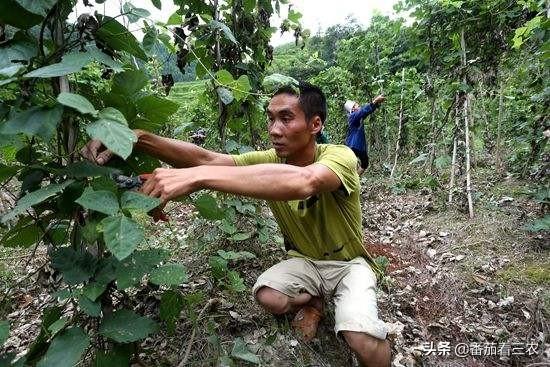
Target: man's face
[[288, 129], [355, 107]]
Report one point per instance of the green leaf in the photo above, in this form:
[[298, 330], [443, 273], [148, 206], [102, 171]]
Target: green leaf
[[89, 307], [156, 109], [215, 25], [157, 4], [100, 201], [70, 63], [66, 349], [132, 200], [249, 5], [273, 82], [232, 255], [240, 351], [294, 16], [121, 235], [57, 326], [17, 52], [175, 19], [22, 236], [34, 198], [84, 169], [241, 88], [132, 269], [4, 331], [224, 77], [125, 326], [208, 207], [218, 266], [16, 15], [76, 266], [539, 225], [7, 171], [40, 7], [241, 236], [171, 305], [235, 282], [115, 357], [225, 95], [134, 14], [112, 130], [93, 290], [169, 274], [107, 268], [129, 82], [37, 121], [116, 36], [10, 71], [76, 101], [38, 348]]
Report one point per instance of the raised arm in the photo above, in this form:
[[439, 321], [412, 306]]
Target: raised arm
[[178, 153], [261, 181], [174, 152]]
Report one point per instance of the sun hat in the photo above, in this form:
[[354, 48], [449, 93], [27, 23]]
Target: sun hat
[[349, 105]]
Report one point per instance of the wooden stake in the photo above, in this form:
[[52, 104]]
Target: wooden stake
[[400, 123]]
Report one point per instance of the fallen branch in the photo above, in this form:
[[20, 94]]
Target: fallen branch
[[211, 302]]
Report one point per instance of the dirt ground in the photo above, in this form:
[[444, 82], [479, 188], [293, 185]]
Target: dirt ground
[[457, 292]]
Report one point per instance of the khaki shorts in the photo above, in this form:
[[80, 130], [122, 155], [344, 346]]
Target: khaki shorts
[[350, 283]]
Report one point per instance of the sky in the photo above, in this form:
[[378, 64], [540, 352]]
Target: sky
[[317, 15]]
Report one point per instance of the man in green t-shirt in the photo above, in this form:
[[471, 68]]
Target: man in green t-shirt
[[313, 192]]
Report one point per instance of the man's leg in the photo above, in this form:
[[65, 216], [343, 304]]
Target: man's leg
[[278, 303], [356, 316], [293, 285], [370, 351]]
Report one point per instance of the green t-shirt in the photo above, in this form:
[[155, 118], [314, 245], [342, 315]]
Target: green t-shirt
[[325, 226]]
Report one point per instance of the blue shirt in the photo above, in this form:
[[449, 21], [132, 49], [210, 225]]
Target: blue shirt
[[355, 137]]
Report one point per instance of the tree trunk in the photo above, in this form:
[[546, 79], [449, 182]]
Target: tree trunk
[[222, 108], [431, 155], [399, 132], [62, 85], [466, 112]]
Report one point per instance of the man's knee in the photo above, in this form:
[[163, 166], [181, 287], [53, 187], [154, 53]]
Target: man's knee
[[273, 300], [362, 343]]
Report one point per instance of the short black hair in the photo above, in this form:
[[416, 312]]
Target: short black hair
[[311, 98]]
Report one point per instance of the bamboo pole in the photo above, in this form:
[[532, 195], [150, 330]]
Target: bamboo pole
[[453, 160], [466, 112], [400, 124]]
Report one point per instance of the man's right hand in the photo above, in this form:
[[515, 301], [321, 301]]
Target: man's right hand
[[96, 152]]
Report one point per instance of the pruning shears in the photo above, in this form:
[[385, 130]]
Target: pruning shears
[[136, 182]]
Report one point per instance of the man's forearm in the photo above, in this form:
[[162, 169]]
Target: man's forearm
[[178, 153], [262, 181]]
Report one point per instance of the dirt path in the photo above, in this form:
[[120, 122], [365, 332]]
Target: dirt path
[[451, 294]]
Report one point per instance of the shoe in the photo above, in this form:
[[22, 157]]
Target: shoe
[[306, 322]]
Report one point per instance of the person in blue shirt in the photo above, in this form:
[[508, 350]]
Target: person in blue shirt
[[355, 137]]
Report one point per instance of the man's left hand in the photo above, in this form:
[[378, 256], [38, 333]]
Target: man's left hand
[[169, 183], [379, 100]]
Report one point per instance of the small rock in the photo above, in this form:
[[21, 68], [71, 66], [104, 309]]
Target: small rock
[[294, 343], [431, 253], [505, 302], [443, 234], [459, 257], [422, 233]]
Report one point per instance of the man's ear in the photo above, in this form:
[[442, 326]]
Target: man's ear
[[316, 125]]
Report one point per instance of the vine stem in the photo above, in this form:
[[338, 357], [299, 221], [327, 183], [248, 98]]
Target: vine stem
[[208, 70], [211, 302]]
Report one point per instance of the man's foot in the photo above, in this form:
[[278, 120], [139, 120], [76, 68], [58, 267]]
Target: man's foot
[[306, 322]]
